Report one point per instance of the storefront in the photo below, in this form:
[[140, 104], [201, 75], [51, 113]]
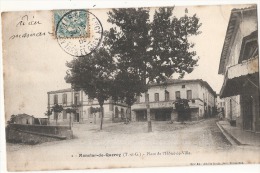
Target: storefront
[[243, 79], [156, 114]]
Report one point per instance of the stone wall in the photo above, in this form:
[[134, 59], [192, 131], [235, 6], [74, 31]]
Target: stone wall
[[33, 134]]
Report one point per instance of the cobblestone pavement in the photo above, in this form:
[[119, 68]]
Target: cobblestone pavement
[[201, 137]]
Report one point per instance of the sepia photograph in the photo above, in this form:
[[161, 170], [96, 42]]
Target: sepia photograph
[[132, 87]]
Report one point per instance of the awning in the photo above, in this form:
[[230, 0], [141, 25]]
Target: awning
[[157, 106], [153, 105], [241, 78]]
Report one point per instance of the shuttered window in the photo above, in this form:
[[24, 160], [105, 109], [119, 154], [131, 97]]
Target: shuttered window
[[137, 99], [177, 94], [189, 94], [156, 97], [55, 99], [64, 99], [167, 96], [64, 114]]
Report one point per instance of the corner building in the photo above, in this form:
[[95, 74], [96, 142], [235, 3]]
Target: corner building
[[113, 112], [239, 64], [202, 100]]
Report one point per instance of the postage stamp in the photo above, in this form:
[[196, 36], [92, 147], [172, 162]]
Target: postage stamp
[[70, 24], [78, 32]]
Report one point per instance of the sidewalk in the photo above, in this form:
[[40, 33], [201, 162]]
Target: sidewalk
[[237, 136]]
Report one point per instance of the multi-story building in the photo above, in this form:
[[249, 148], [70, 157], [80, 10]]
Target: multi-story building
[[239, 65], [78, 100], [220, 105], [162, 96]]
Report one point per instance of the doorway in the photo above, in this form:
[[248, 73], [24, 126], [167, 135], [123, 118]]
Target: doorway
[[163, 115], [141, 115], [248, 113], [76, 118]]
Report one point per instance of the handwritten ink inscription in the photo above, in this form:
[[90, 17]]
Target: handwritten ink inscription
[[28, 35], [28, 20]]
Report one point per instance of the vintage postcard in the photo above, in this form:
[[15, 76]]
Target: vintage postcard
[[131, 87]]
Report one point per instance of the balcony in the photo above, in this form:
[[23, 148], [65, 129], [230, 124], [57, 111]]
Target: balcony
[[240, 75], [153, 105], [165, 105]]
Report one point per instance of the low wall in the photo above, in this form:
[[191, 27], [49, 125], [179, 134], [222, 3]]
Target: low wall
[[15, 136], [34, 134]]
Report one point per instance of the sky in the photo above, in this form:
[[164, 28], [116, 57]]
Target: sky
[[36, 65]]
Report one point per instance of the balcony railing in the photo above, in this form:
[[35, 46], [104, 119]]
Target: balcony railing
[[249, 66], [166, 104]]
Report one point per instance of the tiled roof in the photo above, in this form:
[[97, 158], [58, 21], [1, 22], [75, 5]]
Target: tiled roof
[[60, 91], [180, 81], [230, 33], [170, 81], [24, 115]]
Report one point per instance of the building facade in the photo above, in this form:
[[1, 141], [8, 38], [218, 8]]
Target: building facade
[[78, 100], [239, 65], [161, 99], [23, 119], [220, 105], [28, 119]]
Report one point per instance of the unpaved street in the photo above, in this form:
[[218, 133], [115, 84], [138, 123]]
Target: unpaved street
[[126, 144]]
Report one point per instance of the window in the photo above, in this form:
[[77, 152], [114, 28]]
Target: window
[[122, 113], [90, 101], [167, 95], [177, 94], [189, 94], [156, 97], [111, 106], [137, 99], [64, 114], [183, 86], [250, 50], [116, 112], [76, 99], [55, 99], [64, 99], [147, 98], [89, 113]]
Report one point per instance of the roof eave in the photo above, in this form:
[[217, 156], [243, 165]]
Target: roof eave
[[235, 14], [227, 41]]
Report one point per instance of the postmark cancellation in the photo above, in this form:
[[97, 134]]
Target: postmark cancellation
[[78, 32]]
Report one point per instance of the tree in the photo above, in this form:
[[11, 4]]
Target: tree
[[57, 109], [171, 50], [155, 49], [94, 74], [128, 43], [48, 113], [12, 119], [94, 110], [73, 109], [127, 86], [183, 109]]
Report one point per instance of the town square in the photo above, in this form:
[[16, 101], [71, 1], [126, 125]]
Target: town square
[[131, 87]]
